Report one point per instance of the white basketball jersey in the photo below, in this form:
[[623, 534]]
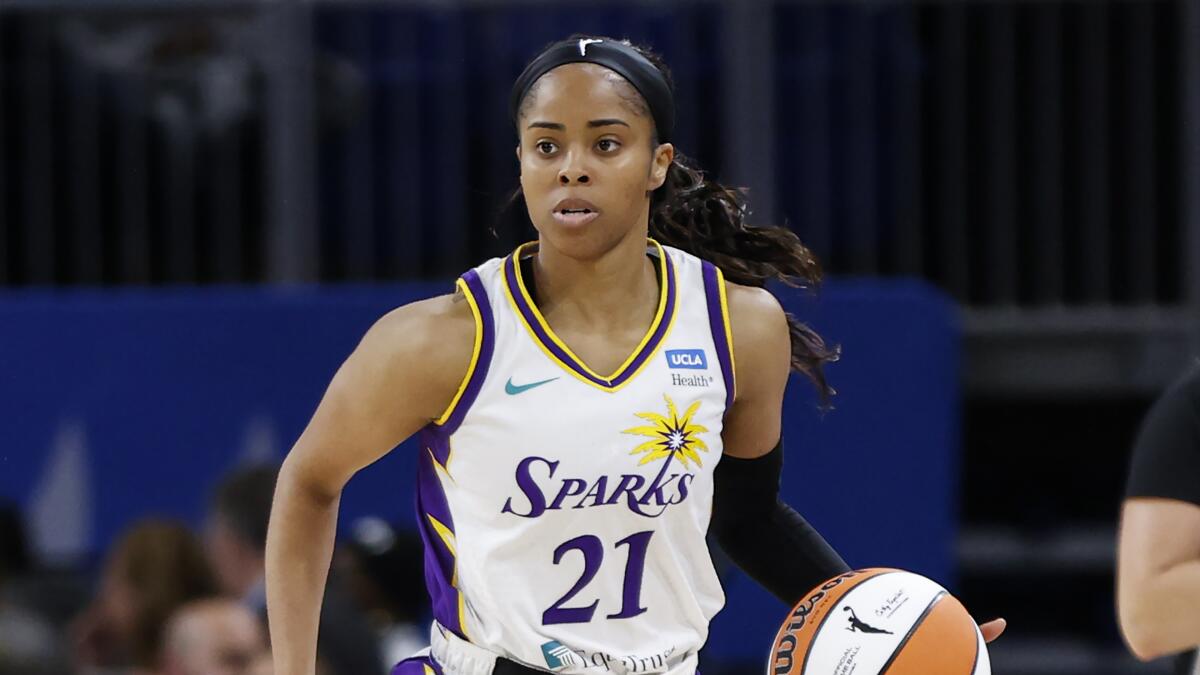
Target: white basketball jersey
[[564, 511]]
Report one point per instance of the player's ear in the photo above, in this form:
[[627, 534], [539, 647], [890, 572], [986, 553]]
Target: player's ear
[[664, 154], [518, 153]]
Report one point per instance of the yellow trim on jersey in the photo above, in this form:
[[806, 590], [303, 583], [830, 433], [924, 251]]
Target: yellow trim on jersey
[[537, 313], [662, 305], [462, 284], [728, 328], [428, 670], [449, 540], [537, 341], [438, 465], [462, 611], [451, 543], [445, 533]]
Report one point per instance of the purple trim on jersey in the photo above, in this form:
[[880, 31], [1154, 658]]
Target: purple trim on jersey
[[439, 562], [716, 324], [415, 665], [531, 320], [486, 347], [510, 278], [663, 325], [430, 497]]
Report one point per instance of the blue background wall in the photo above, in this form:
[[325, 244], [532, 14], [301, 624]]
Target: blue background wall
[[121, 404]]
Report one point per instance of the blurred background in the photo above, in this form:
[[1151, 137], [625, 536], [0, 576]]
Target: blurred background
[[204, 203]]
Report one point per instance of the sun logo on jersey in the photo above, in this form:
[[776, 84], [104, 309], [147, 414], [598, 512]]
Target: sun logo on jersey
[[674, 435]]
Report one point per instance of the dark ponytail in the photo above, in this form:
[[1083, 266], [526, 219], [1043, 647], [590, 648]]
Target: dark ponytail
[[708, 220]]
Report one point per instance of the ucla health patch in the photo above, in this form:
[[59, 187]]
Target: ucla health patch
[[693, 359]]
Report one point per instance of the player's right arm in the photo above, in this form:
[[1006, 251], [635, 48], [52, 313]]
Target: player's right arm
[[1158, 578], [1158, 546], [402, 375]]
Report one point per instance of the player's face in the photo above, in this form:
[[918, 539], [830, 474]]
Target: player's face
[[587, 160]]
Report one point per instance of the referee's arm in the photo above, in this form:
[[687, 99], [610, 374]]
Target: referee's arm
[[1158, 556]]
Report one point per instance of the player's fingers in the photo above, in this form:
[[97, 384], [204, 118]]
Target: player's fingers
[[992, 629]]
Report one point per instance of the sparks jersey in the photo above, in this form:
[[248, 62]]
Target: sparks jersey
[[563, 511]]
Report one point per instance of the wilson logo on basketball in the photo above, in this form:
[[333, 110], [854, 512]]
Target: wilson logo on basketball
[[785, 646]]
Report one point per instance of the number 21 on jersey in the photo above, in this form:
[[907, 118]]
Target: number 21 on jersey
[[593, 556]]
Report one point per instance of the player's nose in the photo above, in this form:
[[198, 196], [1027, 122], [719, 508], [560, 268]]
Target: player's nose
[[573, 171]]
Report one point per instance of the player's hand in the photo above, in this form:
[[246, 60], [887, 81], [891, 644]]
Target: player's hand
[[992, 629]]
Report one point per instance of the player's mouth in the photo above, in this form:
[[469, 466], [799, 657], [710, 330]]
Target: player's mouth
[[575, 212]]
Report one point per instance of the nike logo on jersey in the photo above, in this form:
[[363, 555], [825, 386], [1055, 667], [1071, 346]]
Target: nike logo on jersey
[[514, 389]]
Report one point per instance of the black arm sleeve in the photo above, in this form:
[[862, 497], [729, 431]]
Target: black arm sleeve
[[1166, 455], [765, 537]]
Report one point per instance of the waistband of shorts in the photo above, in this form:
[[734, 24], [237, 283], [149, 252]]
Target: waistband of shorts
[[457, 656]]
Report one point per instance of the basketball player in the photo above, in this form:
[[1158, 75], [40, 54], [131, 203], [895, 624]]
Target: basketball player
[[589, 406], [1158, 566]]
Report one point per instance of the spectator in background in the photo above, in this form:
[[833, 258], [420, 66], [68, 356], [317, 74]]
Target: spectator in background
[[156, 567], [1158, 566], [235, 529], [213, 637], [236, 539], [26, 640], [383, 572]]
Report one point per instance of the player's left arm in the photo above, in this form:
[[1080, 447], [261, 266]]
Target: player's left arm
[[762, 355], [765, 537]]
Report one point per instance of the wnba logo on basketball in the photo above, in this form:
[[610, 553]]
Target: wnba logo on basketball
[[785, 645]]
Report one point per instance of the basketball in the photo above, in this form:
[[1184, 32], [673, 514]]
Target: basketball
[[875, 621]]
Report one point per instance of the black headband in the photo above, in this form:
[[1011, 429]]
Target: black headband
[[617, 57]]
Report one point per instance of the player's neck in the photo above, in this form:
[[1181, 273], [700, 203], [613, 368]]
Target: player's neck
[[597, 292]]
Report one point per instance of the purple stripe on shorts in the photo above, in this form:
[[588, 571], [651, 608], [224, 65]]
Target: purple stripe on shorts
[[716, 324]]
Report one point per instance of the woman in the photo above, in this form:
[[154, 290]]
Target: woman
[[578, 403], [155, 568]]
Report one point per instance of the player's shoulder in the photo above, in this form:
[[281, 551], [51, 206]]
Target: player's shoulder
[[752, 303], [1188, 387], [1166, 451], [439, 331], [761, 337], [755, 315], [1179, 405]]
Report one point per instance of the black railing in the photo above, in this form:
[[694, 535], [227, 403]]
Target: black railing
[[1029, 154]]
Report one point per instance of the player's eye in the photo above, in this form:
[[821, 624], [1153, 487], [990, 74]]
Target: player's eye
[[546, 147], [607, 145]]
